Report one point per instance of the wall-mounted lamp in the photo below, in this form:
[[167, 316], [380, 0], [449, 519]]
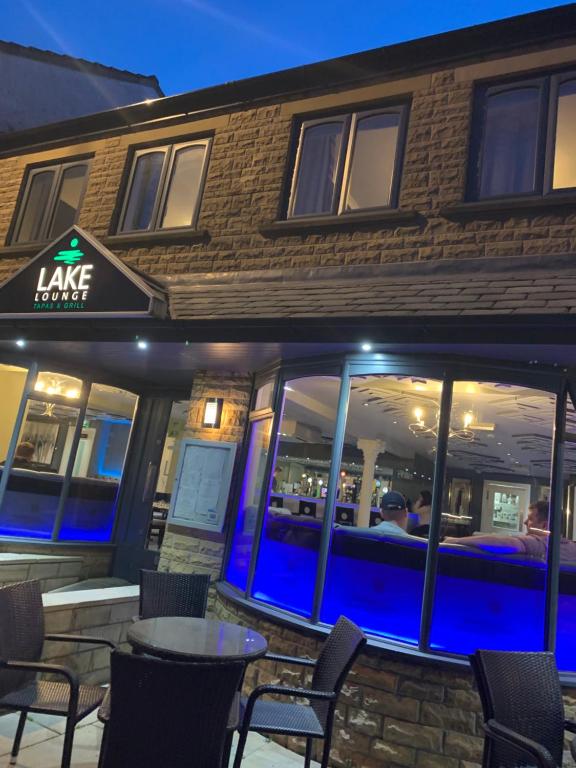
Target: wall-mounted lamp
[[213, 412]]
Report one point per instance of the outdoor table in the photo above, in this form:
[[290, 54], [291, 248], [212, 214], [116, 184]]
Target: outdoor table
[[180, 638]]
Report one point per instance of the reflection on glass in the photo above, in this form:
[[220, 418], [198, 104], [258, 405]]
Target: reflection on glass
[[176, 432], [492, 562], [184, 187], [97, 470], [288, 555], [377, 557], [35, 484], [564, 154], [252, 492], [566, 624], [509, 143], [143, 191], [372, 162], [69, 197], [317, 169], [59, 384], [35, 207]]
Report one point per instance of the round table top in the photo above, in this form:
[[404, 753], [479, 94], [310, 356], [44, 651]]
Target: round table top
[[187, 639]]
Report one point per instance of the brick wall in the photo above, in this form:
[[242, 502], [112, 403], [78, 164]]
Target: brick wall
[[392, 712], [184, 549], [244, 188]]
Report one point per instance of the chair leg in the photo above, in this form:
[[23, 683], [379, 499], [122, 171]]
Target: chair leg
[[243, 735], [326, 750], [68, 743], [308, 753], [18, 737]]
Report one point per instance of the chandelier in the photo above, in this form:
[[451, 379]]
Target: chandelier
[[420, 428]]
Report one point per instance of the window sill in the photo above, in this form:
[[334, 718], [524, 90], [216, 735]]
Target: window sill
[[25, 249], [373, 219], [150, 239], [508, 206]]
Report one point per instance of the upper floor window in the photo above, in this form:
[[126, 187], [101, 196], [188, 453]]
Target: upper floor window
[[348, 162], [165, 186], [51, 201], [525, 140]]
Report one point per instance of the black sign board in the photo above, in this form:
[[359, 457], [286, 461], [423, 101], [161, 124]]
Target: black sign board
[[76, 276]]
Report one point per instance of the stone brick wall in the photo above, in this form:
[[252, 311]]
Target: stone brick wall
[[184, 549], [393, 711], [105, 613], [96, 561], [244, 188]]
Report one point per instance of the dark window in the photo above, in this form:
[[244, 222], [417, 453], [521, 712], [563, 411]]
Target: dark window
[[164, 188], [347, 163], [51, 201], [525, 141]]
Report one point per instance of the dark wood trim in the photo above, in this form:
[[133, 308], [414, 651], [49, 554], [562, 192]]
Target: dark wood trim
[[370, 219], [158, 237], [512, 206], [26, 249]]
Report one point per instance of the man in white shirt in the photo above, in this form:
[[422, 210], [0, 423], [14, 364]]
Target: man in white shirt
[[395, 514]]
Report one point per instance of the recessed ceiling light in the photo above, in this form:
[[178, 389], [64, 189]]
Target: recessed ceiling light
[[142, 344], [366, 347], [20, 343]]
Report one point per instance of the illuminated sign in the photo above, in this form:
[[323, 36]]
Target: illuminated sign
[[77, 275]]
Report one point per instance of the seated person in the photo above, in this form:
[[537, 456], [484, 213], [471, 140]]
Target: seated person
[[394, 513], [423, 507], [23, 455], [533, 543]]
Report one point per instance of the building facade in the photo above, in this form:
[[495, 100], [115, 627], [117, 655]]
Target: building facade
[[358, 278]]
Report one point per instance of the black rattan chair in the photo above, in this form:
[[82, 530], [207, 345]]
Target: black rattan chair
[[21, 642], [173, 594], [521, 698], [313, 720], [164, 714]]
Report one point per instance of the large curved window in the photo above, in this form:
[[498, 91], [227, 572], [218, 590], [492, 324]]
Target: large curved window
[[418, 505], [288, 555]]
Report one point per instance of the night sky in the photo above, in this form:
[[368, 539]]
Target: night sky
[[190, 44]]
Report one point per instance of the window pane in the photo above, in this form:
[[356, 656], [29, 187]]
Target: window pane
[[288, 556], [184, 187], [377, 558], [36, 478], [252, 491], [35, 207], [69, 197], [317, 170], [98, 464], [490, 589], [264, 396], [143, 191], [510, 143], [372, 165], [566, 625], [565, 149]]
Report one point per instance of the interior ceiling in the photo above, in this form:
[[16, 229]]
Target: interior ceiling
[[173, 364]]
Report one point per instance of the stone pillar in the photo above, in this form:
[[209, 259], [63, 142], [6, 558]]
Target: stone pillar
[[371, 450], [188, 550]]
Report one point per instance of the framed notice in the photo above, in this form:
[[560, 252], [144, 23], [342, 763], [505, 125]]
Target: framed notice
[[202, 484]]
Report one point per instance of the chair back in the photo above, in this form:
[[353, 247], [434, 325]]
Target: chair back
[[338, 653], [166, 714], [21, 631], [522, 691], [173, 594]]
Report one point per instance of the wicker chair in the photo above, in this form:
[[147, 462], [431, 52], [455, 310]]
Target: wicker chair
[[313, 720], [521, 698], [21, 642], [168, 714], [173, 594]]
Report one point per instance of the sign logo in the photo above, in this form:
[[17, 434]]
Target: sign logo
[[72, 255]]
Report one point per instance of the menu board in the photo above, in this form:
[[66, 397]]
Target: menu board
[[202, 484]]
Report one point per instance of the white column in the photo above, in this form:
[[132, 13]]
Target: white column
[[371, 450]]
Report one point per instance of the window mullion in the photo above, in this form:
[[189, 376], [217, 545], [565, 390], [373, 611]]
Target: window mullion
[[346, 152], [162, 190], [51, 202]]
